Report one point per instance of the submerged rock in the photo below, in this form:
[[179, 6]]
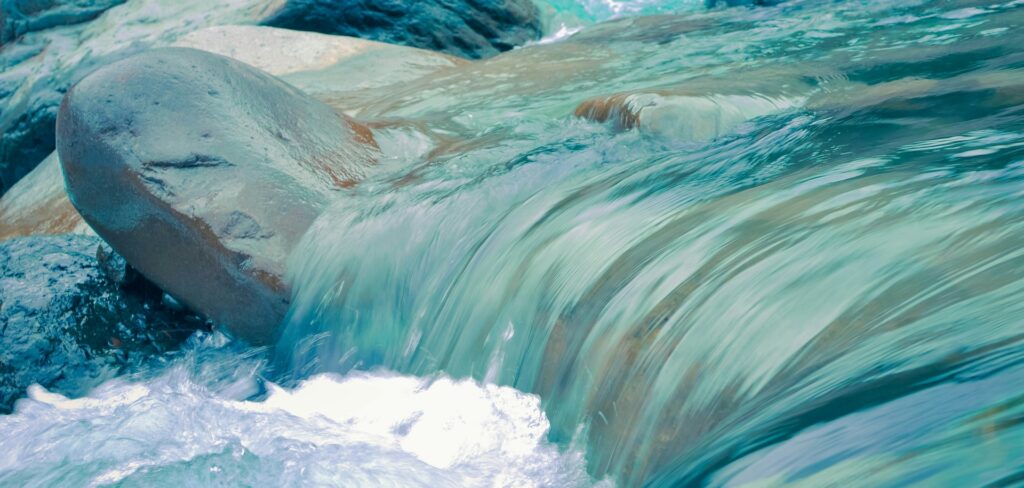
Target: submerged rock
[[334, 69], [70, 320], [681, 117], [703, 107], [204, 172], [468, 28]]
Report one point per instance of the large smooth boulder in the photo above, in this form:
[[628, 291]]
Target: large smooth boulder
[[336, 69], [204, 172], [468, 28], [282, 52], [72, 315], [39, 64]]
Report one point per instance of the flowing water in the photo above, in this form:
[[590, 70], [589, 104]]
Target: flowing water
[[207, 418], [778, 246]]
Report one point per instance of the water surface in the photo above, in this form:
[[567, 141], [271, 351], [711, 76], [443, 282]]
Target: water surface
[[783, 245]]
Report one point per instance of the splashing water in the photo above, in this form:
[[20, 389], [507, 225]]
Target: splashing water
[[778, 246], [192, 425]]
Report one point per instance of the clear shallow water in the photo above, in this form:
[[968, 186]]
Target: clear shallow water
[[792, 255]]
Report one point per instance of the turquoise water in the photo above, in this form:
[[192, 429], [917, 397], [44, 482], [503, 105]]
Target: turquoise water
[[802, 264], [777, 246], [562, 16]]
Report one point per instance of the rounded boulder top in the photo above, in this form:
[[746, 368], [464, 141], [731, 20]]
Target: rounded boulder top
[[203, 172]]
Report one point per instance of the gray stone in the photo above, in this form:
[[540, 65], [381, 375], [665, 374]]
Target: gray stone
[[342, 71], [48, 45], [54, 43], [204, 172]]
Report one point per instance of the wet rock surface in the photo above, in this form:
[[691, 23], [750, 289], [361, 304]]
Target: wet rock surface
[[204, 172], [468, 28], [73, 314], [18, 17], [52, 44], [38, 205], [341, 71], [337, 70]]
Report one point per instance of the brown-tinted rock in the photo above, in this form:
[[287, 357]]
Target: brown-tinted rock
[[681, 115], [330, 68], [204, 172], [38, 205]]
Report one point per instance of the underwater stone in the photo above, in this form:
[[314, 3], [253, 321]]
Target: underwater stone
[[468, 28], [204, 172], [327, 67], [67, 326], [681, 116]]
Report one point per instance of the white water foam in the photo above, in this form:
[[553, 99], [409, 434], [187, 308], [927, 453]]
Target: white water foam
[[363, 429]]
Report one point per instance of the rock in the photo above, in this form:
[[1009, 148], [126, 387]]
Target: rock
[[115, 268], [28, 138], [282, 51], [38, 66], [331, 68], [203, 172], [38, 205], [468, 28], [682, 117], [65, 325], [699, 108], [18, 17]]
